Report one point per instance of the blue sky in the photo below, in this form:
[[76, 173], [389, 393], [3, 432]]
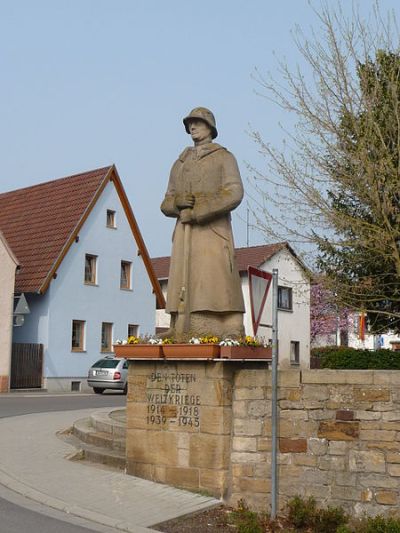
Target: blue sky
[[87, 83]]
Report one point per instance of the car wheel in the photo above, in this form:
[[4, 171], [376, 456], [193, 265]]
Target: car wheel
[[98, 390]]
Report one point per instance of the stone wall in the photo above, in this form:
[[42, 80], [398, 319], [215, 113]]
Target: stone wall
[[206, 426], [339, 438]]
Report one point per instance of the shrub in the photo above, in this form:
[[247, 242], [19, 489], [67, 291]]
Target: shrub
[[301, 513], [342, 357], [379, 524]]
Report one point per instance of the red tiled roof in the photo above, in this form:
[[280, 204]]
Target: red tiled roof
[[37, 222], [253, 256]]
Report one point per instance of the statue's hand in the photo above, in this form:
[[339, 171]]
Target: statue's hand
[[184, 201], [186, 216]]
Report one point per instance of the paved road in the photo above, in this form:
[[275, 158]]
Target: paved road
[[19, 514], [21, 403]]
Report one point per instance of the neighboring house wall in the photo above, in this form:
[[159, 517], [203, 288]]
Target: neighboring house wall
[[293, 325], [68, 298], [8, 265]]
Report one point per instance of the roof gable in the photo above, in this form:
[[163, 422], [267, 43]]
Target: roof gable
[[254, 256], [41, 222]]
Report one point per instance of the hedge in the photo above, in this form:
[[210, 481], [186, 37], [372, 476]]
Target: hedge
[[352, 358]]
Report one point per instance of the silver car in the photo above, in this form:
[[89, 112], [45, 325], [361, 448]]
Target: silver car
[[108, 373]]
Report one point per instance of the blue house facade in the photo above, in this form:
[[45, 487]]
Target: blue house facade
[[100, 288]]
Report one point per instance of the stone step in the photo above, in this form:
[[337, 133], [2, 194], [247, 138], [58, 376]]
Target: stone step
[[94, 454], [112, 422], [84, 430], [99, 438]]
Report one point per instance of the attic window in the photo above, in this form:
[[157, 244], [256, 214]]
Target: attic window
[[111, 219], [125, 279]]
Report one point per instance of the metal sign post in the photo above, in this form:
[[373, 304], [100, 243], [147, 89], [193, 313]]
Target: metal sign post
[[274, 414]]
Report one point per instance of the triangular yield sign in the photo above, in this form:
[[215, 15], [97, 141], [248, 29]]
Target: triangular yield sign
[[22, 307], [259, 283]]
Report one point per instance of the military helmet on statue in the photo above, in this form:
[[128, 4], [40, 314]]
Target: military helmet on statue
[[201, 113]]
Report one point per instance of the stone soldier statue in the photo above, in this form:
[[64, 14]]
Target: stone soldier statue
[[204, 289]]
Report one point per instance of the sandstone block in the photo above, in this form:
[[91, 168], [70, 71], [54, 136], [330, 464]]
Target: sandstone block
[[337, 430], [259, 408], [292, 395], [387, 377], [331, 462], [346, 493], [378, 480], [244, 444], [242, 470], [215, 392], [386, 497], [239, 409], [391, 426], [252, 485], [344, 414], [187, 478], [264, 444], [216, 420], [317, 446], [293, 415], [215, 482], [393, 457], [152, 447], [361, 377], [247, 457], [183, 458], [346, 479], [300, 459], [321, 414], [249, 393], [391, 416], [317, 477], [247, 427], [366, 461], [366, 495], [367, 415], [394, 470], [209, 451], [371, 395], [378, 435], [142, 470], [288, 378], [292, 445], [315, 392], [219, 369], [337, 447], [386, 446], [300, 428], [252, 378]]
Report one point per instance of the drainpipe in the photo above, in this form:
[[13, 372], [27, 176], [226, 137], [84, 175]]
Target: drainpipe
[[274, 414]]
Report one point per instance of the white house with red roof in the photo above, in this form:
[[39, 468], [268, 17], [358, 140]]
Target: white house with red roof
[[84, 270], [293, 299]]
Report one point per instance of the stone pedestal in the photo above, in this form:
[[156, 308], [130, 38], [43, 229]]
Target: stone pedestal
[[179, 423]]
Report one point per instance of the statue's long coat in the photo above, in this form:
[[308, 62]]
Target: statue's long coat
[[211, 174]]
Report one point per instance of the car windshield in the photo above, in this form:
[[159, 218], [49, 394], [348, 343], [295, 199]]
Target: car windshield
[[106, 363]]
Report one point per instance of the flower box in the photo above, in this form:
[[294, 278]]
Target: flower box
[[191, 351], [138, 351], [246, 352]]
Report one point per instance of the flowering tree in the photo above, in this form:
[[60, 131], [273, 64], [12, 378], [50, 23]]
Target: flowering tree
[[326, 318]]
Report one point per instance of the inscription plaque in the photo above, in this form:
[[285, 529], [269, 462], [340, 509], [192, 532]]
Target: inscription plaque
[[171, 400]]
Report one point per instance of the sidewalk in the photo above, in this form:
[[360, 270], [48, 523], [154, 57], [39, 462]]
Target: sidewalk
[[32, 463]]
